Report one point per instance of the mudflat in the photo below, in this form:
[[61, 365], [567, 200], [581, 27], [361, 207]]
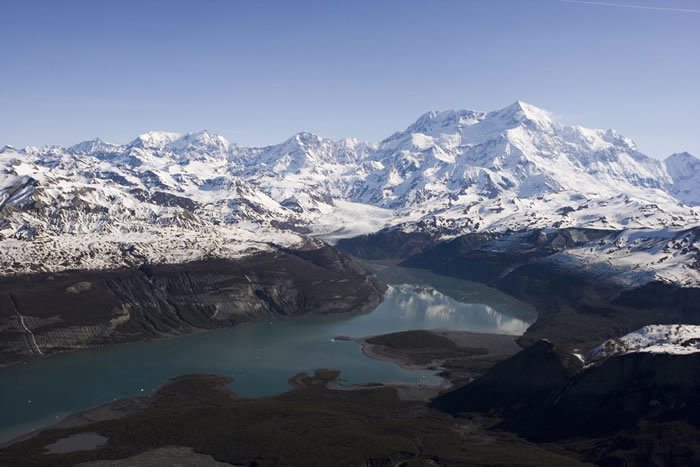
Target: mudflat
[[459, 355]]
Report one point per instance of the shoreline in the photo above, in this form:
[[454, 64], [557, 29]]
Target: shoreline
[[405, 391], [80, 418], [461, 338], [111, 410], [464, 358], [191, 332], [169, 300]]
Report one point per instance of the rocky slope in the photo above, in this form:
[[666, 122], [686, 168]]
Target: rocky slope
[[545, 392], [532, 377], [49, 312]]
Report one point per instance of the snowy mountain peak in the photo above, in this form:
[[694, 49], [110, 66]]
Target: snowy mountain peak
[[520, 111], [435, 123], [474, 127], [684, 170], [200, 141], [306, 138], [684, 158], [93, 146], [154, 139], [682, 166]]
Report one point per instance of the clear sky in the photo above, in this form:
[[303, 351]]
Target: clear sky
[[257, 72]]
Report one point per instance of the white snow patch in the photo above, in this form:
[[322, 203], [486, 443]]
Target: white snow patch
[[658, 338]]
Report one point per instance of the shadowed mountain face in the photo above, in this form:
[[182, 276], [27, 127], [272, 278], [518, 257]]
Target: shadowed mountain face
[[625, 388], [545, 393], [533, 377]]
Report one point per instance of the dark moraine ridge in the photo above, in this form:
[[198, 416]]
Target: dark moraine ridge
[[634, 409], [575, 311], [79, 309]]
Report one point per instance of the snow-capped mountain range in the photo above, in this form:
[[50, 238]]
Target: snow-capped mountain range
[[166, 197]]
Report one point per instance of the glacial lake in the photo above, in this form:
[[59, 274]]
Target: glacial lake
[[259, 357]]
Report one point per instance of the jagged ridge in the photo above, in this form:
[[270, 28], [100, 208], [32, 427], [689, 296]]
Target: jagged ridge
[[449, 173]]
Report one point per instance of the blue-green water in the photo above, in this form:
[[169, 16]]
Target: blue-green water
[[260, 357]]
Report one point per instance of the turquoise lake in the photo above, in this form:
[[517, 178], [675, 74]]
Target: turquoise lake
[[260, 357]]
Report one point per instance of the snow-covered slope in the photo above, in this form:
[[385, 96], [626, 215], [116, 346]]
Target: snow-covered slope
[[684, 170], [504, 162], [448, 173], [658, 338], [640, 256]]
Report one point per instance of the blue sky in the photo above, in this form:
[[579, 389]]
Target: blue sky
[[257, 72]]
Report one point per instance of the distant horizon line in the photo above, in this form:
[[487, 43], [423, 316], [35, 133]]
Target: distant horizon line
[[178, 135]]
